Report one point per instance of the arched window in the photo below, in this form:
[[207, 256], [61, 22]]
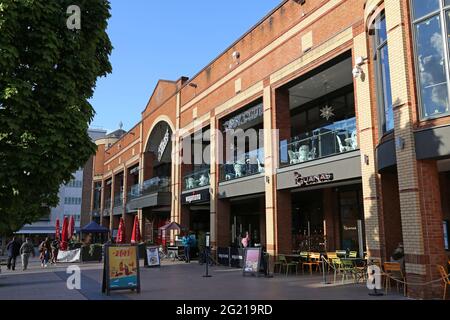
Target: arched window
[[431, 24]]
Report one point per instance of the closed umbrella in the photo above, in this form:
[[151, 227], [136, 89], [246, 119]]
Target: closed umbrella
[[64, 234], [71, 228], [57, 234], [136, 235], [120, 239]]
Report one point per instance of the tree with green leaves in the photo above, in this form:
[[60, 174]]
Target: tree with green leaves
[[50, 60]]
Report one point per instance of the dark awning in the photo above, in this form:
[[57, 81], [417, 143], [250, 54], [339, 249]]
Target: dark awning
[[94, 227]]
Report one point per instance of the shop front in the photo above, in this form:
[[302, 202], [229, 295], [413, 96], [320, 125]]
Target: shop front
[[195, 214]]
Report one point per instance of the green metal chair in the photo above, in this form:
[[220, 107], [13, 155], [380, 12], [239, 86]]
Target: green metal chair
[[287, 264], [347, 268], [337, 265], [279, 263]]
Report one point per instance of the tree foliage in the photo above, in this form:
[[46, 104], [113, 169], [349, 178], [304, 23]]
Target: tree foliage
[[47, 75]]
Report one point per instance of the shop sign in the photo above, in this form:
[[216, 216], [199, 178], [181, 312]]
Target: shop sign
[[350, 228], [121, 268], [163, 145], [197, 196], [312, 180], [244, 117]]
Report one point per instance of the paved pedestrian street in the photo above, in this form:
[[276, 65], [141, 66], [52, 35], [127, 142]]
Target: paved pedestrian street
[[177, 281]]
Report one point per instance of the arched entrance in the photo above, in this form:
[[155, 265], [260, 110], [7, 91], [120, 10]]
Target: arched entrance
[[157, 181]]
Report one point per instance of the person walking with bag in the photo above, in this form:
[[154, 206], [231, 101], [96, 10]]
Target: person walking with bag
[[26, 250]]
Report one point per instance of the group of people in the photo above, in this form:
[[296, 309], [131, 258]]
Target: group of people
[[48, 252]]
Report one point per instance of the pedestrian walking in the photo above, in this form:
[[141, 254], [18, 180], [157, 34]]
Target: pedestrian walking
[[26, 250], [55, 251], [44, 252], [13, 248], [187, 247]]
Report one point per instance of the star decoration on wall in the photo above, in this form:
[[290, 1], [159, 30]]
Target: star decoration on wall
[[327, 112]]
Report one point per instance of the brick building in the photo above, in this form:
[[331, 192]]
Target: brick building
[[358, 91]]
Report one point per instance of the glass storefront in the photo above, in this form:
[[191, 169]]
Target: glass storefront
[[326, 223]]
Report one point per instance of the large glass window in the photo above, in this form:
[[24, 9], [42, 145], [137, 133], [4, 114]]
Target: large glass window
[[383, 73], [431, 39]]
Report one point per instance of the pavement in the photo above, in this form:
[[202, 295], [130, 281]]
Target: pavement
[[177, 281]]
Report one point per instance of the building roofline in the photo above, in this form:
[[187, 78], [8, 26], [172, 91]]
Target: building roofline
[[267, 16]]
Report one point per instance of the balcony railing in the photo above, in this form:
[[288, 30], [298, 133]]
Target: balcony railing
[[247, 164], [150, 186], [118, 200], [135, 192], [337, 138], [107, 208], [197, 179]]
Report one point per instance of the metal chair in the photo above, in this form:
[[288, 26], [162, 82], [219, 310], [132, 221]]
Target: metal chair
[[445, 278], [394, 271]]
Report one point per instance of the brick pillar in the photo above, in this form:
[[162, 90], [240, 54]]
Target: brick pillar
[[223, 228], [331, 217], [214, 184], [391, 214], [262, 223], [278, 204], [284, 222], [420, 205], [368, 136], [185, 217]]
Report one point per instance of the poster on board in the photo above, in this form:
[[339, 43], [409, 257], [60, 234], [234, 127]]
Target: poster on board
[[252, 261], [121, 268], [153, 259]]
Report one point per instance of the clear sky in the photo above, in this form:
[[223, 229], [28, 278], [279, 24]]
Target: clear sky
[[160, 39]]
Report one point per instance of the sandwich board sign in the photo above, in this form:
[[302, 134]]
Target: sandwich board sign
[[252, 261], [121, 269], [153, 259]]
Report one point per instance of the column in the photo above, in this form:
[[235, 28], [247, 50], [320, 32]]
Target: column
[[367, 142], [420, 202]]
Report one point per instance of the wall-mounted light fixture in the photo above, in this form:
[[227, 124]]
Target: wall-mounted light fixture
[[357, 70], [267, 179], [400, 143], [366, 160]]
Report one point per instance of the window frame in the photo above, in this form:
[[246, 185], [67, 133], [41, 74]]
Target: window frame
[[380, 85], [414, 22]]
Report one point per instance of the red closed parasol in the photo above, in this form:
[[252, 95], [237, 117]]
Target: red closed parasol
[[120, 239], [71, 228], [136, 235], [57, 234], [64, 234]]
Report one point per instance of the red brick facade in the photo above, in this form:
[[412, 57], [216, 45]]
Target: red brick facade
[[288, 43]]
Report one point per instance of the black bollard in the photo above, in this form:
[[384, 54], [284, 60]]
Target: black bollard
[[206, 254], [324, 273]]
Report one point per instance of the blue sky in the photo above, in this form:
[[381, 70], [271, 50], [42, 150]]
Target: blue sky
[[156, 39]]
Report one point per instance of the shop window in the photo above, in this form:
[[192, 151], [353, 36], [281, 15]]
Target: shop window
[[383, 75], [431, 53]]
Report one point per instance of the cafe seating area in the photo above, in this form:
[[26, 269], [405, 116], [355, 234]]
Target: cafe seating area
[[341, 266]]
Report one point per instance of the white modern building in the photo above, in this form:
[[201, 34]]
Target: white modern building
[[70, 199]]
